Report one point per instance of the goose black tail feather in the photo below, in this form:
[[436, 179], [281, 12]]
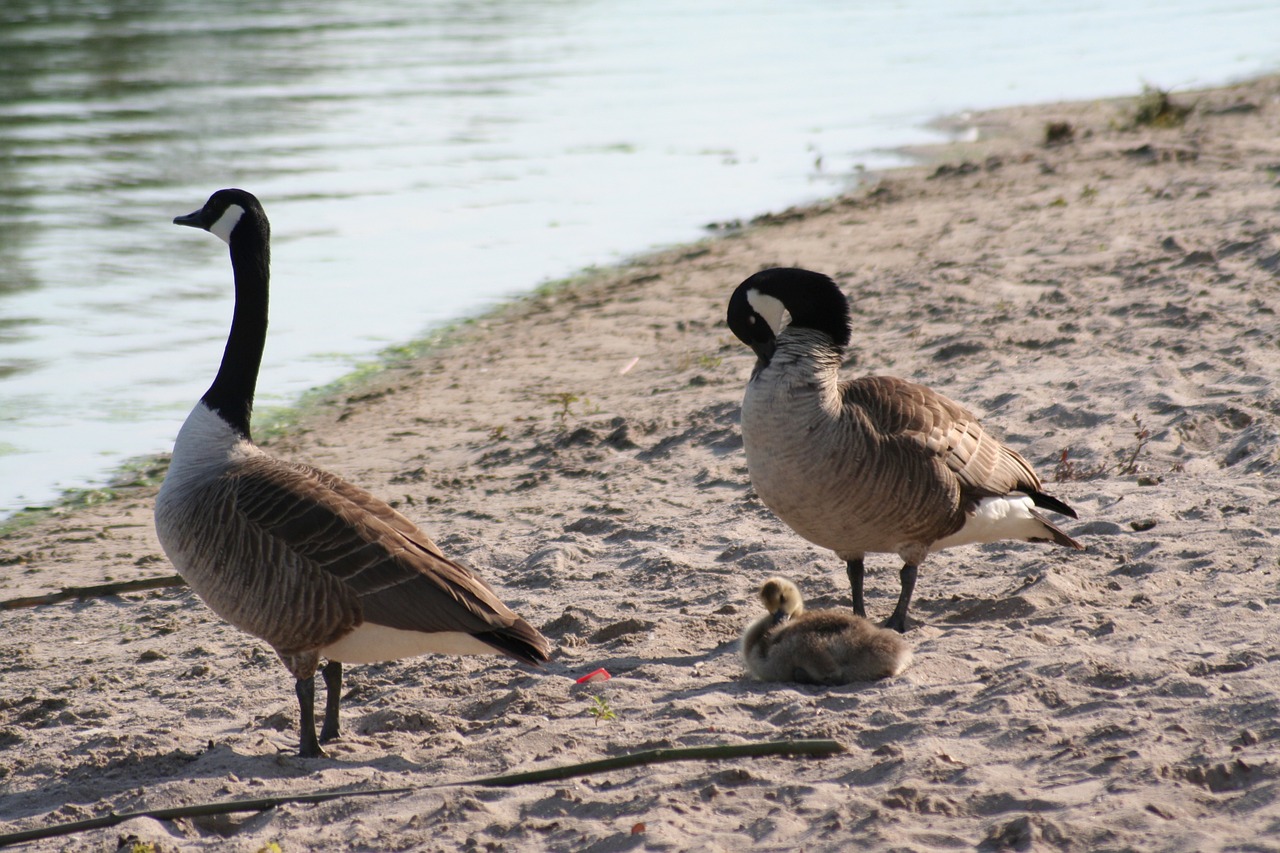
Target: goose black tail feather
[[520, 641], [1050, 503], [1056, 534]]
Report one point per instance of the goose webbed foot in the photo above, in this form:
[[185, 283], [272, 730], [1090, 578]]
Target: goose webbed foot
[[306, 690], [333, 696], [898, 620], [856, 572]]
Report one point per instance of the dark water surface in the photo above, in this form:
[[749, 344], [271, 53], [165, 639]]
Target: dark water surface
[[420, 160]]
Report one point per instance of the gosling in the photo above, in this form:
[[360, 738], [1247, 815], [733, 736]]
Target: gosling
[[817, 646]]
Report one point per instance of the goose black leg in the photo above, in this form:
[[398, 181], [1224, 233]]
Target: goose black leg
[[898, 621], [856, 571], [306, 690], [333, 695]]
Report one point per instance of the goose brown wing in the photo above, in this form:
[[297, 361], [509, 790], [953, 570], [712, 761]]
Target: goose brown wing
[[898, 409], [380, 509], [397, 574]]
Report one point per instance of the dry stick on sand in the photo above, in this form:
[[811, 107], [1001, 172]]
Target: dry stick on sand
[[69, 592], [813, 748]]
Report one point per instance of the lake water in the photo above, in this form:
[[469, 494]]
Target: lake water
[[421, 160]]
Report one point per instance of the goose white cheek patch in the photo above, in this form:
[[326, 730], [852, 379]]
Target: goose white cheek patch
[[768, 307], [227, 222]]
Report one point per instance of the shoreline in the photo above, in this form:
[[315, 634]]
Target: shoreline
[[1106, 304], [141, 471]]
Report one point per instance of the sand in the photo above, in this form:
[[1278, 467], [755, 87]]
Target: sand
[[1107, 303]]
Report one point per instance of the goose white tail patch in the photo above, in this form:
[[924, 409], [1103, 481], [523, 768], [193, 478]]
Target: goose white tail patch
[[227, 222], [768, 307], [1010, 517], [372, 643]]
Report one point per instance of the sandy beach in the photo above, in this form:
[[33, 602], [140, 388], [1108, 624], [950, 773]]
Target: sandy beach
[[1101, 288]]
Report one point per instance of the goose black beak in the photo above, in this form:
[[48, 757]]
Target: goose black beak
[[194, 219], [764, 350], [780, 616]]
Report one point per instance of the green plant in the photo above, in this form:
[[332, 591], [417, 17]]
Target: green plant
[[1155, 108], [601, 710], [565, 400]]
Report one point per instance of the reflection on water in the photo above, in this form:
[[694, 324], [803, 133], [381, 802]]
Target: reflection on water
[[116, 116], [421, 158]]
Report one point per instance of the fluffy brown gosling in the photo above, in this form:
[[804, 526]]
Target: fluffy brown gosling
[[817, 646]]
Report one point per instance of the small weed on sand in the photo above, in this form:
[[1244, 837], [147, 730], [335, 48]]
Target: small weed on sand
[[1141, 435], [601, 710], [1058, 133], [1155, 108], [565, 400], [1068, 470]]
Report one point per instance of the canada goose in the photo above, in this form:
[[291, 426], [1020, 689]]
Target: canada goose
[[870, 465], [817, 646], [315, 566]]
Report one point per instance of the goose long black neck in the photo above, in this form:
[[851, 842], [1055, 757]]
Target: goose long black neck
[[231, 394]]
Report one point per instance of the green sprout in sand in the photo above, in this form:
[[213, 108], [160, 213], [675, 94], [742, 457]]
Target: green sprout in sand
[[600, 709]]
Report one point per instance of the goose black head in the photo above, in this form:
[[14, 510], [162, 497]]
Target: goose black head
[[812, 299], [230, 213]]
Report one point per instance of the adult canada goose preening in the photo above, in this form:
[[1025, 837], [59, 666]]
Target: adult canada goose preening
[[313, 565], [870, 465], [817, 646]]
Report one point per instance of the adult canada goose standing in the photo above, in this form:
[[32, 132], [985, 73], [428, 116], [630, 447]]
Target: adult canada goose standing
[[313, 565], [817, 646], [870, 465]]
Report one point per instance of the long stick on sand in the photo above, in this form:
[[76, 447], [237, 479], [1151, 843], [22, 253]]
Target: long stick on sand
[[69, 592], [812, 748]]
